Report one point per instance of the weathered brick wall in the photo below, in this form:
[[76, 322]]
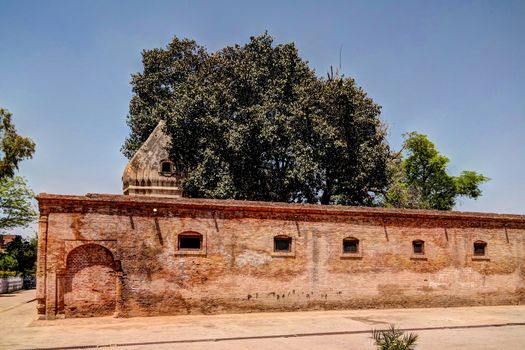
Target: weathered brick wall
[[238, 271], [89, 282]]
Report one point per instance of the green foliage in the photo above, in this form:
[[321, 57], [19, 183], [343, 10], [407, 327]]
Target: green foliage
[[16, 209], [419, 178], [15, 196], [394, 339], [8, 263], [351, 143], [255, 122], [23, 253], [7, 273], [13, 147]]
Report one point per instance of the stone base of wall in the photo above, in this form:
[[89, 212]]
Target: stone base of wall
[[158, 305]]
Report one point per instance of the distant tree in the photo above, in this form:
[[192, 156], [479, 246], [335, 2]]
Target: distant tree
[[23, 251], [419, 178], [255, 122], [16, 208], [13, 147]]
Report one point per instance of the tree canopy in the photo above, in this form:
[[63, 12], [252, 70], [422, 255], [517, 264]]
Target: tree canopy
[[255, 122], [419, 178], [20, 256], [16, 209], [13, 147]]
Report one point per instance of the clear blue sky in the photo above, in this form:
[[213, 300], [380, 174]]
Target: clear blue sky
[[454, 70]]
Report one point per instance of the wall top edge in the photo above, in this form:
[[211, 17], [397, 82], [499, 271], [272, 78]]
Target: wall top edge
[[91, 199]]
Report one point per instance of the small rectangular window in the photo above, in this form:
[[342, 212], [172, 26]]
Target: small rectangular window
[[479, 248], [350, 246], [166, 167], [190, 242], [418, 247], [282, 244]]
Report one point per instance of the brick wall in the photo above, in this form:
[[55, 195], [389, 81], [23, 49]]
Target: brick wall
[[116, 253], [89, 282]]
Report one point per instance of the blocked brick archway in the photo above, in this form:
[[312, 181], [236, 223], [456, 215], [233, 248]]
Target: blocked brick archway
[[89, 282]]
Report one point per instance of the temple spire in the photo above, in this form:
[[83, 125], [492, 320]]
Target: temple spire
[[150, 172]]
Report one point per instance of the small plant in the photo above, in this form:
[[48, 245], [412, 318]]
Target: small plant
[[393, 339]]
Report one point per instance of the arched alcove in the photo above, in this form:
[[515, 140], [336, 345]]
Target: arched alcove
[[89, 282]]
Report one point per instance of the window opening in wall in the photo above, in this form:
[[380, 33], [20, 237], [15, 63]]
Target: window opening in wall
[[190, 241], [418, 247], [166, 168], [282, 244], [480, 248], [350, 245]]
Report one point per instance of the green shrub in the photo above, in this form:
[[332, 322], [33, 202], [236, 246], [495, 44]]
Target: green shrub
[[393, 339], [8, 273], [8, 263]]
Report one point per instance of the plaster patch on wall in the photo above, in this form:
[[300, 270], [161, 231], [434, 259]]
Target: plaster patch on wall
[[252, 258]]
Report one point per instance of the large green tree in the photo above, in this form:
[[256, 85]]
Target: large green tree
[[13, 147], [23, 252], [255, 122], [16, 209], [419, 178]]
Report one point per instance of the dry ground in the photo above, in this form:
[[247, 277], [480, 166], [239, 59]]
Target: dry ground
[[495, 327]]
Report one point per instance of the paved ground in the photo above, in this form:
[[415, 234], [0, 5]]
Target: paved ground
[[496, 327]]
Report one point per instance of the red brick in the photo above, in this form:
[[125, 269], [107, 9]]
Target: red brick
[[237, 270]]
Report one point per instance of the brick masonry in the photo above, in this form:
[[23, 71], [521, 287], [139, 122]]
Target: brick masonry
[[112, 254]]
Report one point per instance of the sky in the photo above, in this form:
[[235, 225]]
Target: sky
[[454, 70]]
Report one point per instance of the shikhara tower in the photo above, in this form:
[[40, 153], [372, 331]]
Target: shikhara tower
[[150, 172]]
